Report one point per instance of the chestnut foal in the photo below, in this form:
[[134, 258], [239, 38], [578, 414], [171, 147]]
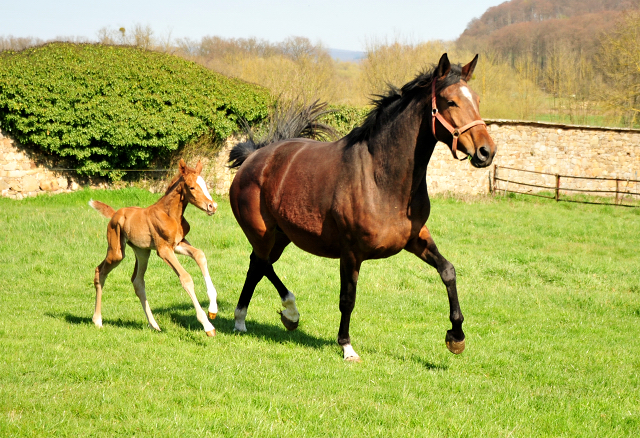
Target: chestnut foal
[[162, 227]]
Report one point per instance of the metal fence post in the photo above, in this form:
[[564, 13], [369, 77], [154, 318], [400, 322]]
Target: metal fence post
[[557, 187]]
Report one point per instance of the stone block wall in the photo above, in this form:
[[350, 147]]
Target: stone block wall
[[535, 146], [544, 147], [21, 176]]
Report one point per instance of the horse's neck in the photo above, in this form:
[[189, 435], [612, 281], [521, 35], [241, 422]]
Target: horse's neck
[[402, 151], [173, 203]]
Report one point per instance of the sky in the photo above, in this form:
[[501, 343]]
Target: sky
[[337, 24]]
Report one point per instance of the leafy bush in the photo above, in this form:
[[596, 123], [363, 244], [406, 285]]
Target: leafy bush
[[343, 118], [107, 107]]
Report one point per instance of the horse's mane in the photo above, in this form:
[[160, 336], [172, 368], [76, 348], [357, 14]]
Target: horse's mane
[[388, 106]]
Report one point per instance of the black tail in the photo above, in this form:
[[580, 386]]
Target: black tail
[[294, 120]]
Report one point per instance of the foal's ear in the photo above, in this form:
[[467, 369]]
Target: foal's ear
[[444, 67], [198, 167], [467, 70], [182, 166]]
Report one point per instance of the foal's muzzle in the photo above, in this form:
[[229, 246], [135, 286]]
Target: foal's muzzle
[[211, 208]]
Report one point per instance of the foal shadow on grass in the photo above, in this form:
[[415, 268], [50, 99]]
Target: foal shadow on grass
[[183, 316]]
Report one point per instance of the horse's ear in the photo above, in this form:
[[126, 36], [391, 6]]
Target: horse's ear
[[467, 70], [182, 166], [198, 167], [444, 67]]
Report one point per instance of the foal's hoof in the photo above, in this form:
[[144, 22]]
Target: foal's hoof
[[212, 315], [455, 346], [211, 333], [289, 325]]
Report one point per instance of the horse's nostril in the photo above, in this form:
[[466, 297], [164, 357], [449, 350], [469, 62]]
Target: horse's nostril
[[483, 153]]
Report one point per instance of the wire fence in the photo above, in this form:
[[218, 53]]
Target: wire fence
[[624, 192]]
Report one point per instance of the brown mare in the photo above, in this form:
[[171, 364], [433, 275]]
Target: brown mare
[[361, 197], [162, 227]]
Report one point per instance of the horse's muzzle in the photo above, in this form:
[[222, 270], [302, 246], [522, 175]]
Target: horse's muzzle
[[483, 157], [211, 208]]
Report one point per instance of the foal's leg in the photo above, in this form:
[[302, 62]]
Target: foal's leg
[[167, 254], [115, 254], [424, 247], [142, 259], [185, 248], [349, 271]]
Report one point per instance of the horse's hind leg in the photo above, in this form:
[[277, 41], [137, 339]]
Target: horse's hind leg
[[425, 248], [142, 260], [185, 248], [259, 268], [290, 316], [115, 254]]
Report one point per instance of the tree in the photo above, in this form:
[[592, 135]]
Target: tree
[[619, 62]]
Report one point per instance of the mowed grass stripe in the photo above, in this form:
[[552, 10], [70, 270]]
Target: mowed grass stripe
[[550, 294]]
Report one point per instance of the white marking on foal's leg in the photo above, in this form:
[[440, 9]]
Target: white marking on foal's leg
[[240, 315], [350, 354], [290, 310], [213, 295]]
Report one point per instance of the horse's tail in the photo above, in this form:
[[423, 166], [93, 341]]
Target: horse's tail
[[293, 120], [102, 208]]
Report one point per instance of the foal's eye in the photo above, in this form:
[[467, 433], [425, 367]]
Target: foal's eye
[[451, 103]]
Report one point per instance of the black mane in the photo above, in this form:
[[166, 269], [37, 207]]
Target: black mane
[[387, 107]]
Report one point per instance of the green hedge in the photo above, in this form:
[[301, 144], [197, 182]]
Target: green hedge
[[344, 118], [114, 107]]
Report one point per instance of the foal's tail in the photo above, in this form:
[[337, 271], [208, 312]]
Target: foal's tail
[[292, 120], [102, 208]]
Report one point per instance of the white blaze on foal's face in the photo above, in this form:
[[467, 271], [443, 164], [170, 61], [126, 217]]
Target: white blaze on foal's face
[[467, 93], [203, 186]]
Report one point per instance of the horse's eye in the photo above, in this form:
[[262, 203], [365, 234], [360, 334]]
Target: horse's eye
[[451, 103]]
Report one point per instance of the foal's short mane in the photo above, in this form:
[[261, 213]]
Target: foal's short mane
[[387, 107], [174, 182]]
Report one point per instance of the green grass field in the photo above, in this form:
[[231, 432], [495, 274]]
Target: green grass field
[[550, 293]]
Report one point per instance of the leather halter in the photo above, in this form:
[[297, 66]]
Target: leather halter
[[455, 132]]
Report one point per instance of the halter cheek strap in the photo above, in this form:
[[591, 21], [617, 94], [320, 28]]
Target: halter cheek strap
[[456, 132]]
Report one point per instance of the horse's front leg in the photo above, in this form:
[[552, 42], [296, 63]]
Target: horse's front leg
[[168, 255], [424, 247], [349, 270], [196, 254]]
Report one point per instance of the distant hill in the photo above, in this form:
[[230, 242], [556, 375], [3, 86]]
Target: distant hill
[[346, 55], [519, 26]]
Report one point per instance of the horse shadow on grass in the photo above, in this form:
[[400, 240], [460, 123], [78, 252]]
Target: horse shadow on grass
[[183, 316], [225, 325]]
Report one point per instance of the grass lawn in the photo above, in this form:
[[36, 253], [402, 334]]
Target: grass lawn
[[550, 293]]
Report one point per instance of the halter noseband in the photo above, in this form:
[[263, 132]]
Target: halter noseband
[[456, 132]]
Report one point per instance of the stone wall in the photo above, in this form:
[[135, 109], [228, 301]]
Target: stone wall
[[22, 176], [535, 146], [544, 147]]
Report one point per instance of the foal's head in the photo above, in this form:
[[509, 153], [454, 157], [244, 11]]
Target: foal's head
[[459, 105], [195, 189]]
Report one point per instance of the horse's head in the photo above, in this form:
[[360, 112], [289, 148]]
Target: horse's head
[[195, 188], [456, 114]]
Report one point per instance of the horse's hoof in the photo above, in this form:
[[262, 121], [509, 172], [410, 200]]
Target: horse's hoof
[[212, 315], [353, 359], [211, 333], [289, 325], [454, 346]]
